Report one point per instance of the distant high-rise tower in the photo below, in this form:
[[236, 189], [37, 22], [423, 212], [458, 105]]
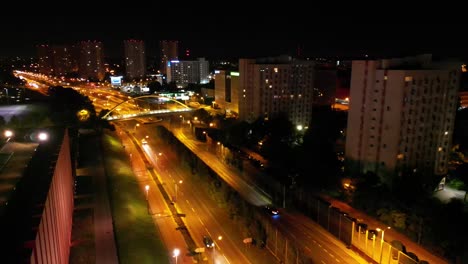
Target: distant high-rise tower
[[62, 59], [169, 51], [56, 60], [135, 58], [91, 60], [44, 59], [401, 116]]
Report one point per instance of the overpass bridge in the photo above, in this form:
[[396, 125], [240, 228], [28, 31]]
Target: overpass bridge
[[182, 108]]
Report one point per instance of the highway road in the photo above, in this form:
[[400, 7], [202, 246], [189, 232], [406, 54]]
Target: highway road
[[321, 245], [202, 214]]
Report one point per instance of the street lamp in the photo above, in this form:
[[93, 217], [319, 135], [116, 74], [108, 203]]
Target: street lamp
[[382, 241], [8, 133], [43, 136], [176, 254], [147, 189], [175, 197], [134, 129]]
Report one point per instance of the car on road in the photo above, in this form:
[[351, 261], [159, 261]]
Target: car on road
[[272, 210], [208, 241], [144, 141]]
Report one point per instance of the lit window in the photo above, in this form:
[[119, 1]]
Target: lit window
[[385, 77], [275, 69], [408, 78]]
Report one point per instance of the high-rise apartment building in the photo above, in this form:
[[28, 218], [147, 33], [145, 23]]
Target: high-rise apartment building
[[45, 60], [185, 72], [135, 59], [91, 60], [169, 52], [401, 116], [267, 87], [227, 90], [62, 56], [57, 60]]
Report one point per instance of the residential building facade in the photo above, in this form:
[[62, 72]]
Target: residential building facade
[[91, 64], [401, 116], [135, 59]]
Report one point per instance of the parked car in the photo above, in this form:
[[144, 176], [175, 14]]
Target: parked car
[[372, 234]]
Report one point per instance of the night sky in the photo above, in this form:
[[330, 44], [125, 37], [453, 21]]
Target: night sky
[[234, 36]]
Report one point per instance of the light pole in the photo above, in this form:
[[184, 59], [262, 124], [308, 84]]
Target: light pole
[[176, 254], [135, 128], [147, 189], [175, 197], [381, 242], [147, 202], [214, 248], [7, 99]]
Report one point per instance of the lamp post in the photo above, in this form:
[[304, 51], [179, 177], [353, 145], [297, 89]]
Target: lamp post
[[381, 242], [175, 197], [147, 189], [176, 254], [135, 128], [7, 99], [147, 202]]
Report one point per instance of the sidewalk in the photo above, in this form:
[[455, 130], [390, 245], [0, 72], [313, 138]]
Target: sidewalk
[[103, 227], [390, 234]]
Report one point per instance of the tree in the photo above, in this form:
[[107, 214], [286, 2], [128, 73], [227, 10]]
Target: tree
[[203, 115], [154, 86]]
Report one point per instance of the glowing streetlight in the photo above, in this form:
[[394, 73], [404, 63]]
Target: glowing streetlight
[[176, 254], [43, 136], [147, 190], [8, 133], [382, 241], [134, 129], [175, 197]]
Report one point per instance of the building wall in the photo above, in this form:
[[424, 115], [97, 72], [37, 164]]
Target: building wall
[[204, 67], [267, 89], [185, 72], [169, 51], [226, 91], [52, 242], [45, 60], [62, 57], [135, 58], [400, 120], [91, 60]]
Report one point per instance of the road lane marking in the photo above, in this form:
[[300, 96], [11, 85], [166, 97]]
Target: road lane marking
[[307, 248], [337, 260], [323, 262], [201, 221], [226, 259], [319, 245], [325, 250], [193, 209], [331, 255], [187, 201]]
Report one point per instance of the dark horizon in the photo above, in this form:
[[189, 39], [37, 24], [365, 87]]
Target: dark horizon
[[233, 39]]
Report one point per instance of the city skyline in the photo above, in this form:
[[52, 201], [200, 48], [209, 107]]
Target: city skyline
[[233, 37]]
